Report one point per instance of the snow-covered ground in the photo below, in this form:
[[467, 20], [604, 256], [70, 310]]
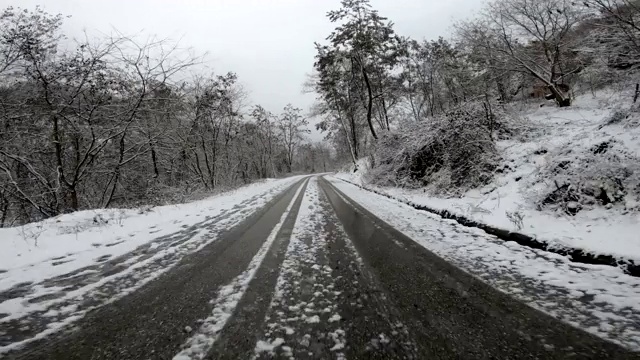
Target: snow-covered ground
[[53, 272], [561, 142], [599, 299]]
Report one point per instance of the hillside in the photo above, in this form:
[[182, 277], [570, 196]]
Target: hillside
[[569, 178]]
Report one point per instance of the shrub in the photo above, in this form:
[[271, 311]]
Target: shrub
[[603, 174], [449, 153]]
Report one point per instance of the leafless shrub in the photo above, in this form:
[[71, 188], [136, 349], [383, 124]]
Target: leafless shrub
[[617, 117], [99, 220], [452, 152], [121, 216], [602, 175], [516, 218], [32, 232], [145, 209], [628, 117]]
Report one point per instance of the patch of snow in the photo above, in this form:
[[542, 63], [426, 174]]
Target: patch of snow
[[338, 337], [313, 319], [265, 346]]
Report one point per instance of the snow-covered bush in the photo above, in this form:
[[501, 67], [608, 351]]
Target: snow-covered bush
[[601, 175], [145, 194], [100, 220], [597, 76], [516, 218], [448, 153], [628, 117], [617, 116]]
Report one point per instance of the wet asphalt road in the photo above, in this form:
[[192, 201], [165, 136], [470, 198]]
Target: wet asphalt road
[[396, 300]]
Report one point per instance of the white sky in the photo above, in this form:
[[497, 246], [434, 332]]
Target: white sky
[[268, 43]]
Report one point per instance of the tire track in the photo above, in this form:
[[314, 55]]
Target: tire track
[[326, 303], [236, 292]]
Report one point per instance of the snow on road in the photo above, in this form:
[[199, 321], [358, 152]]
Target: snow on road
[[599, 299], [53, 272], [198, 345], [303, 313]]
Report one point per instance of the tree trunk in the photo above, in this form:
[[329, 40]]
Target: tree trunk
[[504, 96], [154, 159], [273, 167], [346, 132], [72, 198], [206, 162], [4, 208], [199, 169], [290, 159], [59, 164], [116, 173], [354, 135], [370, 101], [561, 100], [386, 115]]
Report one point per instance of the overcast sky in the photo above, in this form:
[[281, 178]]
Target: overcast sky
[[268, 43]]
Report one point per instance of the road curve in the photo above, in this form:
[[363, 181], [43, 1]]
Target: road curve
[[332, 282]]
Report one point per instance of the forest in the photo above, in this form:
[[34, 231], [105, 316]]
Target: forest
[[122, 121], [430, 111]]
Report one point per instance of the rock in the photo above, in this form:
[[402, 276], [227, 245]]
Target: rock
[[604, 197], [573, 207], [188, 329], [601, 148]]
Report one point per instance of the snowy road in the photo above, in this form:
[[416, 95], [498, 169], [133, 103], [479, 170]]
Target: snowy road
[[315, 274]]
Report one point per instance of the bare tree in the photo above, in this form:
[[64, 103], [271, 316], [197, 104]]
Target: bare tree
[[149, 66], [315, 157], [27, 35], [616, 31], [537, 36], [123, 121], [292, 126], [266, 136]]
